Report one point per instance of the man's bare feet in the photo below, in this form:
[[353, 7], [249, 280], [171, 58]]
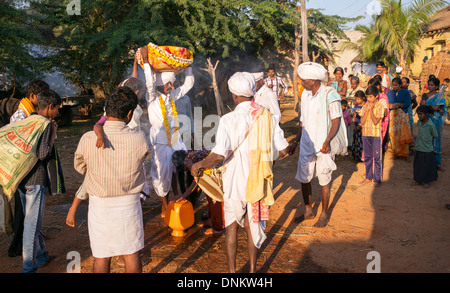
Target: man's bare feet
[[306, 216], [322, 222], [366, 181], [211, 231]]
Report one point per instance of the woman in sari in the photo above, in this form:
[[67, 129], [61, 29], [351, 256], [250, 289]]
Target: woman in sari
[[399, 128], [437, 102], [384, 101], [338, 83]]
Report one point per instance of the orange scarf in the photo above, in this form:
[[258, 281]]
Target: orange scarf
[[26, 106]]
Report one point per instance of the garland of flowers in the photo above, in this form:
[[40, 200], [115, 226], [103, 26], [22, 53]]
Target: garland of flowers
[[166, 120]]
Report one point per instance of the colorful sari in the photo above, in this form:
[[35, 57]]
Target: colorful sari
[[438, 119], [384, 101], [399, 133], [399, 126]]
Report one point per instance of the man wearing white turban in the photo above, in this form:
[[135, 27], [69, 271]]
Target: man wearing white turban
[[233, 149], [320, 119], [265, 96], [164, 132]]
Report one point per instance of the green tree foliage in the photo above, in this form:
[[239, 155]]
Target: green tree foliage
[[395, 33], [96, 48], [400, 26], [17, 31]]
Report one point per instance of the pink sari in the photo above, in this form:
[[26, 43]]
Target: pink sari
[[385, 121]]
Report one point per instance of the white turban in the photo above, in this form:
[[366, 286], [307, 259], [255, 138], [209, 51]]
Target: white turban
[[258, 75], [164, 77], [312, 71], [242, 84]]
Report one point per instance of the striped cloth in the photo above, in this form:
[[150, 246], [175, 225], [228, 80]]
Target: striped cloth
[[116, 170]]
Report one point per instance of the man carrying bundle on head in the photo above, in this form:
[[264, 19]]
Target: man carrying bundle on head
[[164, 133], [244, 141]]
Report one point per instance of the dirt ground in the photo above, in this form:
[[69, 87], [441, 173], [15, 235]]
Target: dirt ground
[[408, 226]]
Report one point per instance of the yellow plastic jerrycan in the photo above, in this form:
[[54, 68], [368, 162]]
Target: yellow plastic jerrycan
[[179, 216]]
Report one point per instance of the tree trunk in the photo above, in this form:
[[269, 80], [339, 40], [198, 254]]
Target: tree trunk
[[305, 57], [212, 72], [296, 64]]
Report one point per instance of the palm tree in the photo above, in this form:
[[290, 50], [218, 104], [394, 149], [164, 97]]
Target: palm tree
[[399, 26], [370, 48], [395, 33]]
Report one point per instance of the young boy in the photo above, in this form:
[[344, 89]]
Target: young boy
[[27, 106], [32, 189], [371, 115]]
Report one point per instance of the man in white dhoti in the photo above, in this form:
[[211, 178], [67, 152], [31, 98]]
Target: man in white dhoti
[[114, 180], [164, 134], [265, 96], [237, 151], [320, 119]]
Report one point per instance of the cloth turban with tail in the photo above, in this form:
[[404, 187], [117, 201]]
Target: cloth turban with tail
[[311, 71], [164, 77], [242, 84], [258, 75]]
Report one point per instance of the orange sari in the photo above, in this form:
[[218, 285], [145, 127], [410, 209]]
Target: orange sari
[[399, 133]]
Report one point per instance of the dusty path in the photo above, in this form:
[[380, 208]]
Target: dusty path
[[407, 226]]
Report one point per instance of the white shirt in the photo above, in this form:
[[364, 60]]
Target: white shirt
[[19, 115], [157, 130], [231, 132], [309, 115], [268, 99]]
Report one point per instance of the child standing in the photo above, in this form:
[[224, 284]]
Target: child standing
[[357, 145], [371, 115], [348, 122], [425, 169]]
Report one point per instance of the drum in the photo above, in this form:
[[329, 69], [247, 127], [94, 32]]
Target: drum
[[167, 58], [211, 183]]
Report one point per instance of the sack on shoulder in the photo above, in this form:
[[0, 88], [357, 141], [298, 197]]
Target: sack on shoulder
[[18, 144]]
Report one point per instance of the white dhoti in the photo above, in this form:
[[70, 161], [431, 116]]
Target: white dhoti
[[115, 225], [236, 211], [162, 168], [310, 166]]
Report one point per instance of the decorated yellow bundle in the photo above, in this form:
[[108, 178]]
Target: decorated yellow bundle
[[167, 58]]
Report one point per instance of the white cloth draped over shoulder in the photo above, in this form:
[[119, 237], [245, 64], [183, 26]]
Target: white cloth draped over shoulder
[[268, 99], [315, 126], [231, 134]]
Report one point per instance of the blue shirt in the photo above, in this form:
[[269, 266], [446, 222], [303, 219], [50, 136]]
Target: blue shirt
[[402, 96]]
